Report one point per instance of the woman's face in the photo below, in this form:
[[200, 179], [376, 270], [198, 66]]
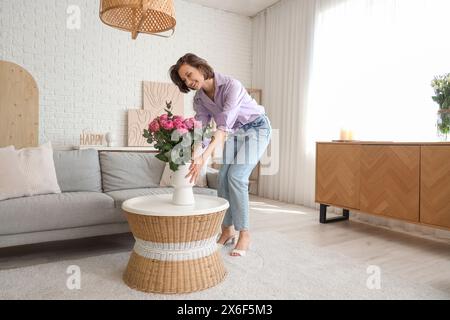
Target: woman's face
[[192, 77]]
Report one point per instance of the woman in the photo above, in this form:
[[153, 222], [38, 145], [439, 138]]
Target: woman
[[243, 130]]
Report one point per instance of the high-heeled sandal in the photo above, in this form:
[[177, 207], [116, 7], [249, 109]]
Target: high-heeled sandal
[[230, 240], [238, 253]]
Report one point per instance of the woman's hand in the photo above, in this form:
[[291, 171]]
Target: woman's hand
[[195, 168], [198, 162]]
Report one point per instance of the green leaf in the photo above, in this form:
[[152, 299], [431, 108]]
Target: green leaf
[[170, 114], [167, 147], [173, 166], [169, 108], [445, 105], [162, 157]]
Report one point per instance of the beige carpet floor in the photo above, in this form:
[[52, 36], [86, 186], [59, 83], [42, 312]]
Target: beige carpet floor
[[276, 268]]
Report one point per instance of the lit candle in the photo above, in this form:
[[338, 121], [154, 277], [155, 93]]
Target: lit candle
[[344, 134], [350, 135]]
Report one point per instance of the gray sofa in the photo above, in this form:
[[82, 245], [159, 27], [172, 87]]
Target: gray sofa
[[94, 185]]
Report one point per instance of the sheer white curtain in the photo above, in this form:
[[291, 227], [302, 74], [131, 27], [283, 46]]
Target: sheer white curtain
[[282, 43], [373, 65], [361, 64]]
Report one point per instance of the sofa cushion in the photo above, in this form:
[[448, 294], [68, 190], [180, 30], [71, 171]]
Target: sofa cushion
[[122, 195], [12, 178], [212, 176], [78, 170], [37, 171], [130, 170], [57, 211]]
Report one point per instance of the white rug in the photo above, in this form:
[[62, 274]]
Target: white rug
[[275, 268]]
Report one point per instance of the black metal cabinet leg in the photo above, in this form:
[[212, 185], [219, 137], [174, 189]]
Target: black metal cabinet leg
[[323, 215]]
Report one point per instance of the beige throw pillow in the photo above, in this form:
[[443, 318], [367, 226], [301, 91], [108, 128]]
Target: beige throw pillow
[[166, 176], [12, 179], [39, 168]]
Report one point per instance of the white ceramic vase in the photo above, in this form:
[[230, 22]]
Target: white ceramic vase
[[183, 194]]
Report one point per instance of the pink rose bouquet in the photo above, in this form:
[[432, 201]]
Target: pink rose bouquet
[[174, 137]]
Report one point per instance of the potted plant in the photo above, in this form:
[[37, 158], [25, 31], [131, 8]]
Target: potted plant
[[176, 138], [441, 86]]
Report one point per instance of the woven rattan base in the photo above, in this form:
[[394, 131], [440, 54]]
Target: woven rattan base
[[175, 254], [150, 275]]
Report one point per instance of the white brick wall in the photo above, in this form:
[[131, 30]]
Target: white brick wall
[[88, 78]]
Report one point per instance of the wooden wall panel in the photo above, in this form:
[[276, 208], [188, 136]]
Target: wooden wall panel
[[19, 107], [435, 186], [138, 120], [255, 94], [155, 95], [390, 181], [337, 175]]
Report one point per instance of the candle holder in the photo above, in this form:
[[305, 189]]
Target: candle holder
[[346, 135]]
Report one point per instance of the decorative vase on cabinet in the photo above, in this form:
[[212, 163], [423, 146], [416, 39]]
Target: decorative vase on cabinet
[[443, 123]]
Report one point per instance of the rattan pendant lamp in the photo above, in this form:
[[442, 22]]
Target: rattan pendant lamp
[[139, 16]]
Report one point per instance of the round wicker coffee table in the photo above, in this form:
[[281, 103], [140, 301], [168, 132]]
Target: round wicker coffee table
[[175, 249]]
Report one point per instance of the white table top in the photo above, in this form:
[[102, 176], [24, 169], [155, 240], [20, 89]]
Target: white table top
[[161, 205]]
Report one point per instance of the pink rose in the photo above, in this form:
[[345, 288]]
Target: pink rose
[[178, 123], [154, 126], [182, 130], [181, 118], [197, 124], [167, 124], [189, 123], [163, 117]]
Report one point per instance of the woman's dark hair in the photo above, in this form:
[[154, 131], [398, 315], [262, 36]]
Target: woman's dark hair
[[194, 61]]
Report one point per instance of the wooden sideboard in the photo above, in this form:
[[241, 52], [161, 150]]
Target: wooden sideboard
[[407, 181]]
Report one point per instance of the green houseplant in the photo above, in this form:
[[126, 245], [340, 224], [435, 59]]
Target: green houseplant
[[441, 86]]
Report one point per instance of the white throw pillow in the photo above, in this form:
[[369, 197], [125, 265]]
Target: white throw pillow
[[39, 169], [12, 179]]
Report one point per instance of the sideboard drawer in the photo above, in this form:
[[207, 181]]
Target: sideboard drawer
[[337, 175], [435, 186], [390, 181]]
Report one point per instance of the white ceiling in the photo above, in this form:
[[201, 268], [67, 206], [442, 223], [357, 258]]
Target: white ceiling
[[243, 7]]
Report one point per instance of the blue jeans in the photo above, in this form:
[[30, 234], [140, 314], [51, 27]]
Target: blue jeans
[[241, 153]]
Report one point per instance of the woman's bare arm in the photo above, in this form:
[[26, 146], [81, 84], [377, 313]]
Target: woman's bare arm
[[218, 139]]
